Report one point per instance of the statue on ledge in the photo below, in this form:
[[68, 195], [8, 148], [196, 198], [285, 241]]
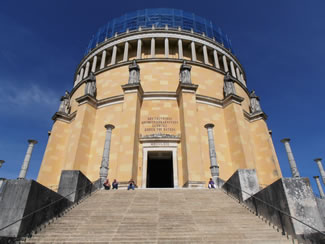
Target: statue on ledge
[[229, 87], [254, 103], [65, 103], [90, 88], [185, 73], [134, 73]]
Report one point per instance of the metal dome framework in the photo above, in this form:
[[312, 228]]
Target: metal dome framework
[[159, 18]]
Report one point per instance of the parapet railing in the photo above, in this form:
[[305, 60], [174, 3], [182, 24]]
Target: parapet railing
[[254, 199], [64, 210]]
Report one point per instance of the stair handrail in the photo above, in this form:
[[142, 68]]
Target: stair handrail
[[52, 203], [272, 206]]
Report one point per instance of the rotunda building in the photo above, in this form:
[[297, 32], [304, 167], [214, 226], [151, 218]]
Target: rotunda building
[[161, 98]]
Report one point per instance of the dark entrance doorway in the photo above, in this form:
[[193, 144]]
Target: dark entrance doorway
[[160, 170]]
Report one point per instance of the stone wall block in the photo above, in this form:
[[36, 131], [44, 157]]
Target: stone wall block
[[22, 197], [74, 185], [294, 197], [243, 181]]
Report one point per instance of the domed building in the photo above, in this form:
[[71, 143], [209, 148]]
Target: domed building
[[161, 98]]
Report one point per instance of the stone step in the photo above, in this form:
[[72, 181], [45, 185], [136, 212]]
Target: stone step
[[159, 216]]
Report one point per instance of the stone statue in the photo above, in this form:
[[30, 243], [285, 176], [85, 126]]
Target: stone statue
[[90, 88], [185, 73], [134, 73], [65, 103], [255, 103], [229, 87]]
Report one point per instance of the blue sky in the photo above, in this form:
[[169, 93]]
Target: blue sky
[[279, 43]]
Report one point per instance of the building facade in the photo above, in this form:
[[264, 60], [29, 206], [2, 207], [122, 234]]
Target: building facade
[[161, 98]]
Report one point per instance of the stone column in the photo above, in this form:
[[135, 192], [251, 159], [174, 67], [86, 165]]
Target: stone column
[[126, 52], [166, 47], [242, 79], [103, 61], [93, 68], [238, 73], [180, 49], [139, 49], [225, 64], [87, 69], [205, 54], [292, 162], [321, 169], [232, 67], [77, 80], [153, 47], [81, 74], [214, 168], [193, 51], [103, 173], [28, 155], [216, 59], [113, 60], [320, 189]]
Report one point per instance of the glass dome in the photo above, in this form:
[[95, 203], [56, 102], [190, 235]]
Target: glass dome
[[159, 17]]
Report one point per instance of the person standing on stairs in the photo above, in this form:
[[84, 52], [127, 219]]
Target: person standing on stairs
[[211, 184], [107, 185]]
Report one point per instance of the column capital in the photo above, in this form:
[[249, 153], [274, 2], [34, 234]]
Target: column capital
[[109, 126], [317, 159], [209, 125], [31, 141], [316, 177], [285, 140]]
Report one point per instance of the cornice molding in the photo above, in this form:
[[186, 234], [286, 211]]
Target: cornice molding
[[232, 98], [130, 88], [87, 99], [209, 100], [186, 88], [160, 138], [67, 118], [254, 117]]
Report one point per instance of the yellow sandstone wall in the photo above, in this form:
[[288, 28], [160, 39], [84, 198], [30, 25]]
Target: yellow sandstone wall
[[54, 156], [239, 143]]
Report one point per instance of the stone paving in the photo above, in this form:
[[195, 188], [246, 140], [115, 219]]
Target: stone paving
[[159, 216]]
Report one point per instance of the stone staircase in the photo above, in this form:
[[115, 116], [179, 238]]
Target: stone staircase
[[159, 216]]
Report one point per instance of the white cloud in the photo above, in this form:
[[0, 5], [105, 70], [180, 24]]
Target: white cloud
[[22, 96]]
